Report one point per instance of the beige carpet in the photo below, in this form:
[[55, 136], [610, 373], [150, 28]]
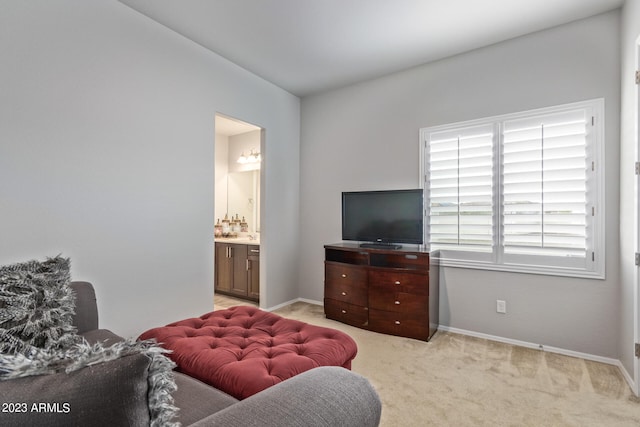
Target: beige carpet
[[456, 380]]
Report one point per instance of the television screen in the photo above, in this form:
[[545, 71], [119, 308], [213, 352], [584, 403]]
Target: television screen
[[383, 217]]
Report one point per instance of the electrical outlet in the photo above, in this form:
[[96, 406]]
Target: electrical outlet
[[501, 306]]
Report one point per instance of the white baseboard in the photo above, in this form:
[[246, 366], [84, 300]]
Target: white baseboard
[[609, 361], [275, 307], [309, 301], [628, 378]]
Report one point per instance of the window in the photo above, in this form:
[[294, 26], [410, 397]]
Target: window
[[519, 192]]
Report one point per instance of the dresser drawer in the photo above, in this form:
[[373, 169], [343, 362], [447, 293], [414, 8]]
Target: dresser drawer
[[345, 273], [343, 292], [351, 314], [398, 302], [399, 324], [346, 284], [411, 283]]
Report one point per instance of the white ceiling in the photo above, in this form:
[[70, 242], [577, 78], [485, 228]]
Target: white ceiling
[[307, 46]]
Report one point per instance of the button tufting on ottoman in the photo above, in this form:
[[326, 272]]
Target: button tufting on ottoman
[[243, 350]]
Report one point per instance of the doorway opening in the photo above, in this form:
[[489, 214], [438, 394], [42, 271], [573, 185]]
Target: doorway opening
[[237, 210]]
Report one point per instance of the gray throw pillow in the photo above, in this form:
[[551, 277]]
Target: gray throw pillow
[[127, 383], [36, 306]]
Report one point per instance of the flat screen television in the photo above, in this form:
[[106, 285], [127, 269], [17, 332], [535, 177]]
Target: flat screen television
[[383, 218]]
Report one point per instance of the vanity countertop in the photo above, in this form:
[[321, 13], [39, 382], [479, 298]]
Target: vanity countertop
[[238, 240]]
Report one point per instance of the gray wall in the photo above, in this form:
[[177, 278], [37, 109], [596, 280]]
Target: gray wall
[[628, 188], [107, 156], [365, 136]]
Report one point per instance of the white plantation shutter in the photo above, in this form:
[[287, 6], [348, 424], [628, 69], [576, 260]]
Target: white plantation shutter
[[460, 176], [544, 185], [519, 192]]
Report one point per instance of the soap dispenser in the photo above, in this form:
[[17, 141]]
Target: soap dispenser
[[226, 229]]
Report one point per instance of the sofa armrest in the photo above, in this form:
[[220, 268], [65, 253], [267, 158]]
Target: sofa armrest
[[86, 317], [327, 396]]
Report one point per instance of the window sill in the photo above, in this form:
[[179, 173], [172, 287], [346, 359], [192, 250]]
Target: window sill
[[513, 268]]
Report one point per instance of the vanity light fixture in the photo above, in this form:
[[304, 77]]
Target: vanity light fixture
[[253, 157]]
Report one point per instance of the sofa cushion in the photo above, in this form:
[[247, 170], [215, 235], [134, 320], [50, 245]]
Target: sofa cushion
[[128, 383], [243, 350], [197, 400], [36, 306], [327, 396]]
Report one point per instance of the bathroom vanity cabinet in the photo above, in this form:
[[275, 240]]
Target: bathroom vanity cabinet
[[237, 270]]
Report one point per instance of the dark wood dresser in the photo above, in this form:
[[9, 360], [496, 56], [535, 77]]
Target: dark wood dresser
[[392, 291]]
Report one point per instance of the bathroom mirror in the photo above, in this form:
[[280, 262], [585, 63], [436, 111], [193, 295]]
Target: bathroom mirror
[[243, 197]]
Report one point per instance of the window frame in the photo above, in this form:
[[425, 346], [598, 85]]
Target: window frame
[[595, 253]]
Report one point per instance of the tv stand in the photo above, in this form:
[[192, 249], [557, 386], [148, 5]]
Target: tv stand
[[380, 246], [392, 291]]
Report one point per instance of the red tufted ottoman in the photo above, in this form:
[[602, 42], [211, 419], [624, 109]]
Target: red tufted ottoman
[[243, 350]]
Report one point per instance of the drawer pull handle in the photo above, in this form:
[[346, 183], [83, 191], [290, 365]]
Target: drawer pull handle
[[397, 322], [344, 311], [344, 275], [397, 282], [397, 303], [344, 294]]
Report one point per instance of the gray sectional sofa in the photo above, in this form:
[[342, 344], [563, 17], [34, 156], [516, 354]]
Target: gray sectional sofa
[[96, 394]]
